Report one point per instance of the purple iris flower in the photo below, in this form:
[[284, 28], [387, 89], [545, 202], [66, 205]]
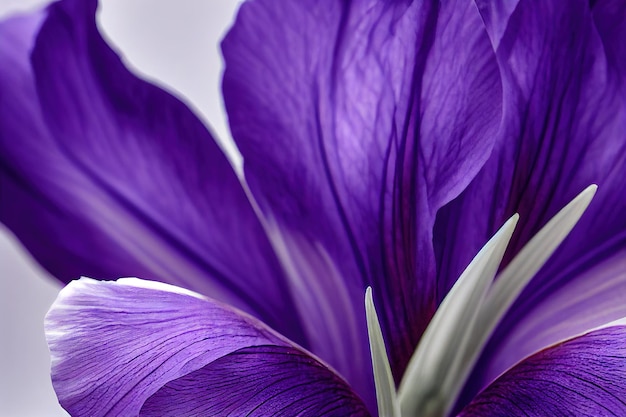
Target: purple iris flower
[[385, 143]]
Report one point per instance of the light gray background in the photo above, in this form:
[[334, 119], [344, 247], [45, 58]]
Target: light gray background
[[175, 43]]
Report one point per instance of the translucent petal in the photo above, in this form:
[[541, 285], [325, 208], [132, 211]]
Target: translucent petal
[[136, 348], [385, 387], [424, 389]]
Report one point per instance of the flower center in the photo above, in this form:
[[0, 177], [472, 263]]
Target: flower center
[[464, 321]]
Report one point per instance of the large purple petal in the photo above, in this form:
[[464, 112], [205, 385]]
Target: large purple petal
[[121, 347], [258, 381], [105, 175], [357, 121], [581, 377], [564, 129]]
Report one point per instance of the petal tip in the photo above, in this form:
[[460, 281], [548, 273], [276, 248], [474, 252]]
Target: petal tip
[[158, 286]]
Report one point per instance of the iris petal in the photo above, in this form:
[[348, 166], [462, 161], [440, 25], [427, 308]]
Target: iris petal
[[563, 128], [610, 21], [583, 377], [353, 136], [121, 347], [89, 150], [258, 382]]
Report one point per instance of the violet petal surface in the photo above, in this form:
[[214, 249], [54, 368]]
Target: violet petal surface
[[355, 127], [563, 129], [118, 347], [104, 174], [583, 377]]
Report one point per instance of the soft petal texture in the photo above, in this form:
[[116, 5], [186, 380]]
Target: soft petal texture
[[496, 16], [610, 19], [103, 174], [564, 127], [581, 377], [355, 128], [115, 345], [258, 381]]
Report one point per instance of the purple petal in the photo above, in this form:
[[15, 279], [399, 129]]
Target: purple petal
[[581, 377], [119, 345], [610, 21], [564, 129], [355, 129], [258, 381], [106, 175], [496, 16]]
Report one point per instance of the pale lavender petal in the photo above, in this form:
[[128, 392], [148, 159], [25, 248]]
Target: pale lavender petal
[[106, 175], [357, 121], [564, 129], [581, 377], [119, 346]]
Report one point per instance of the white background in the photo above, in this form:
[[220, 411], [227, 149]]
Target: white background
[[174, 42]]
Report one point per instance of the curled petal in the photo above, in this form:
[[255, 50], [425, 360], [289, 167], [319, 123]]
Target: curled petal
[[583, 377], [258, 381], [88, 149], [122, 347]]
